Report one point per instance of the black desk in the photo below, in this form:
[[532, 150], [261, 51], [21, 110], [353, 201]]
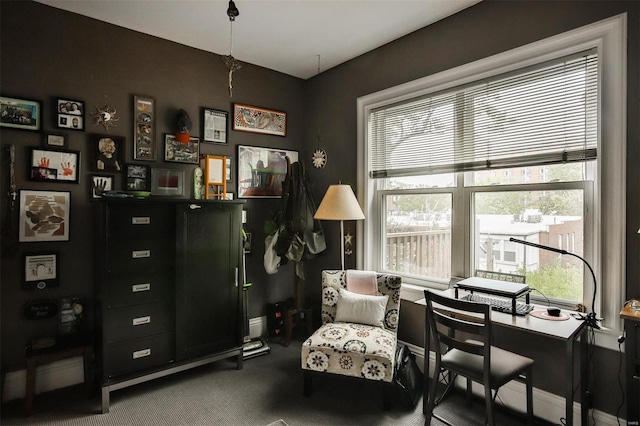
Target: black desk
[[568, 331]]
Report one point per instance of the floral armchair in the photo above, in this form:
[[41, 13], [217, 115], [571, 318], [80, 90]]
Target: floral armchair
[[364, 347]]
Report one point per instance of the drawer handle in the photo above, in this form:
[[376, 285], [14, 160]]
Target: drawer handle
[[195, 206], [142, 320], [143, 220], [142, 353], [140, 287], [137, 254]]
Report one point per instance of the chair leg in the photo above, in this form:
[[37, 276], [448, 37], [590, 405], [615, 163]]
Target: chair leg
[[469, 391], [387, 396], [529, 385], [431, 398], [488, 398], [306, 383]]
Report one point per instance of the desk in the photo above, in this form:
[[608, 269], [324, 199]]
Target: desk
[[568, 331]]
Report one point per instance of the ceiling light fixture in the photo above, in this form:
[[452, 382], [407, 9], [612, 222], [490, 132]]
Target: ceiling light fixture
[[229, 61]]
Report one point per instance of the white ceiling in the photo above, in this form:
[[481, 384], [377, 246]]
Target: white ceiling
[[282, 35]]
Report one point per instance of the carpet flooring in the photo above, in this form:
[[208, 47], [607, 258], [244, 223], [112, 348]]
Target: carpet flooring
[[267, 390]]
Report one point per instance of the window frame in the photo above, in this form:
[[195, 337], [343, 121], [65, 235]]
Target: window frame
[[609, 38]]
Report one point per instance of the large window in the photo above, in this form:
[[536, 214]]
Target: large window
[[517, 146]]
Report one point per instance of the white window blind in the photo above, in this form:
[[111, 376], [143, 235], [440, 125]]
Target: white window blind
[[541, 115]]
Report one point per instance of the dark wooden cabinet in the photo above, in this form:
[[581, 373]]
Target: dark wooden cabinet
[[167, 288]]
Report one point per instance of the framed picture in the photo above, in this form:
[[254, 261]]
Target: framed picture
[[259, 120], [54, 165], [54, 140], [215, 125], [181, 152], [21, 114], [144, 119], [40, 271], [107, 153], [69, 114], [137, 177], [100, 184], [228, 165], [261, 171], [44, 216], [167, 182]]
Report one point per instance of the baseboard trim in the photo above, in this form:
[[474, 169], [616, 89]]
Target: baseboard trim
[[547, 406]]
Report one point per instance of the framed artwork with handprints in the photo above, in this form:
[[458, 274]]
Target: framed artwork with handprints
[[23, 114], [44, 216], [54, 165], [259, 120], [100, 184], [144, 128], [69, 114]]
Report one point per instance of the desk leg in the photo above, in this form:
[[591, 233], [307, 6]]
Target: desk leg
[[568, 391], [105, 399], [584, 379]]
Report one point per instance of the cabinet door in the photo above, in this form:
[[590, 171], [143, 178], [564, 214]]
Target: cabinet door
[[208, 258]]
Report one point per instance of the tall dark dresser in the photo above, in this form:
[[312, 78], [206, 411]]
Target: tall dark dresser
[[168, 296]]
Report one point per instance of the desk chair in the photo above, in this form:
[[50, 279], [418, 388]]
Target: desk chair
[[473, 356]]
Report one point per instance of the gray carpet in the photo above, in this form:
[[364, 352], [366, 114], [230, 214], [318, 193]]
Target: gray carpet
[[268, 389]]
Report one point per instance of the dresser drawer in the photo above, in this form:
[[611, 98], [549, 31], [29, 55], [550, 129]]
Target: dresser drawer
[[137, 288], [138, 321], [139, 255], [139, 220], [139, 354]]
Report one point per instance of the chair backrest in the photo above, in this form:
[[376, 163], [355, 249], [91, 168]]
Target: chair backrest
[[502, 276], [451, 323], [388, 284]]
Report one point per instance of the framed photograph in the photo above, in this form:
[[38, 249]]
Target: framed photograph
[[228, 165], [54, 140], [144, 119], [261, 171], [107, 153], [215, 125], [259, 120], [167, 182], [54, 165], [181, 152], [40, 271], [21, 114], [137, 177], [100, 184], [44, 216], [69, 114]]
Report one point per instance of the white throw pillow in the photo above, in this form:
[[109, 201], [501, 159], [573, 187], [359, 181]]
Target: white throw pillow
[[361, 308]]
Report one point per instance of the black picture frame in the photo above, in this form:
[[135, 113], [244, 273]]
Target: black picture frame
[[144, 118], [99, 184], [181, 152], [21, 114], [137, 177], [69, 114], [215, 126], [40, 270], [54, 165], [262, 170], [100, 147]]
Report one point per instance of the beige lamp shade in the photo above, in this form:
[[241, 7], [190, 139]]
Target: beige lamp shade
[[339, 203]]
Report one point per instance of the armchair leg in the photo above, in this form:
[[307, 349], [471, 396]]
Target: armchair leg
[[306, 386]]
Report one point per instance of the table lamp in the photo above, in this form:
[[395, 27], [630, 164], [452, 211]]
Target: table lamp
[[339, 203]]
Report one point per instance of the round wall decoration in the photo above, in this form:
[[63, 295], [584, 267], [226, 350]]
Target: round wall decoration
[[319, 158]]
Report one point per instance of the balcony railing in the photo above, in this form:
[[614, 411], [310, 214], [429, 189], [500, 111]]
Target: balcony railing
[[426, 253]]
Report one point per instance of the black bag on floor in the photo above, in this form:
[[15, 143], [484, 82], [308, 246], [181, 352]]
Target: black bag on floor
[[407, 377]]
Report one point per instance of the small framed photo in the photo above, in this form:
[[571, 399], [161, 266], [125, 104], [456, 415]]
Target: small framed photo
[[54, 140], [137, 177], [23, 114], [54, 165], [107, 153], [100, 184], [259, 120], [144, 119], [40, 271], [228, 165], [215, 125], [69, 114], [167, 182], [44, 216], [181, 152]]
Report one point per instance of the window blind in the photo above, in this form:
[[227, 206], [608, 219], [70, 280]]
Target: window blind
[[542, 115]]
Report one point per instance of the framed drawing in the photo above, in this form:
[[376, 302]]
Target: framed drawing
[[167, 182], [107, 153], [100, 184], [137, 177], [69, 114], [21, 114], [44, 216], [181, 152], [215, 125], [54, 140], [261, 171], [54, 165], [40, 271], [259, 120], [144, 128]]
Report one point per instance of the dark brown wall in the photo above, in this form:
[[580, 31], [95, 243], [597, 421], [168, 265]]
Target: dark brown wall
[[45, 53], [485, 29]]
